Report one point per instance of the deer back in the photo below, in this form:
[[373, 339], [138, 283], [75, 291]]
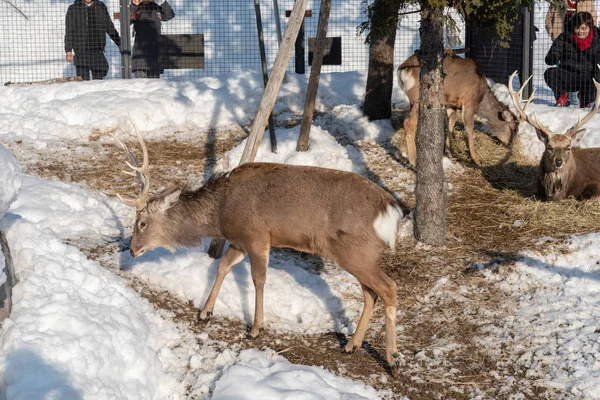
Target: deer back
[[465, 87], [305, 208]]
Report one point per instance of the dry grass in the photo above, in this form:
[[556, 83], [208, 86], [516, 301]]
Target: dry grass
[[170, 162], [494, 209]]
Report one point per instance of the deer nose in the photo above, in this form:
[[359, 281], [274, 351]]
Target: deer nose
[[558, 162], [132, 252]]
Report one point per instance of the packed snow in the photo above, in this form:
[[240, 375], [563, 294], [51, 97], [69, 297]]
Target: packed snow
[[77, 331]]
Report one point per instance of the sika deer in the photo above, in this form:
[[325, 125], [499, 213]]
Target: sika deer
[[339, 215], [565, 170], [466, 89]]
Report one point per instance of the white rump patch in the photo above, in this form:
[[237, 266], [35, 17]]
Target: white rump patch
[[386, 224], [406, 80]]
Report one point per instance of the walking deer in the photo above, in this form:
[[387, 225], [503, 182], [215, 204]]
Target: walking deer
[[466, 89], [565, 170], [339, 215]]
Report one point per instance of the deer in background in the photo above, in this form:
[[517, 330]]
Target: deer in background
[[337, 214], [565, 170], [466, 89]]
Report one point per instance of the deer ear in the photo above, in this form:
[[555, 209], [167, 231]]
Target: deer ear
[[543, 136], [163, 203], [507, 116], [576, 137]]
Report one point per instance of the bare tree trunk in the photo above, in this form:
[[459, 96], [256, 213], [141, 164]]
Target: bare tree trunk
[[430, 211], [380, 79]]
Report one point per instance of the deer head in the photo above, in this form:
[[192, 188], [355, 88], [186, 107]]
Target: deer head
[[558, 152], [152, 224]]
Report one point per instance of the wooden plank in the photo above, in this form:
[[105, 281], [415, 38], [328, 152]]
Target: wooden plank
[[307, 13], [182, 51]]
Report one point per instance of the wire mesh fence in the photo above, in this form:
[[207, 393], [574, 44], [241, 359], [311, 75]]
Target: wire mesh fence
[[182, 39]]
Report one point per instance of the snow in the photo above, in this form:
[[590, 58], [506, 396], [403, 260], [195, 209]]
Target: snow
[[77, 330], [80, 332]]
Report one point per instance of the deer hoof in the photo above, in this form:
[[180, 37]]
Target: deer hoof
[[204, 320], [254, 333], [349, 349], [396, 362]]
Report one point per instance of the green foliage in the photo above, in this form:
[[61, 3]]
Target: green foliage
[[498, 14]]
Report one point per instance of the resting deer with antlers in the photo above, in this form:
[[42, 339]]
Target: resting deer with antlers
[[565, 170], [339, 215], [466, 89]]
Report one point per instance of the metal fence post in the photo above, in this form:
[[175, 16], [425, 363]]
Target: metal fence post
[[124, 19], [528, 36]]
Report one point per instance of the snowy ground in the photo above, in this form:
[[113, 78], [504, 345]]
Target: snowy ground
[[77, 330]]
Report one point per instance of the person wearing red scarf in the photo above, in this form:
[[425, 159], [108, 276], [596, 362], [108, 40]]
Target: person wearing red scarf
[[574, 56], [559, 14]]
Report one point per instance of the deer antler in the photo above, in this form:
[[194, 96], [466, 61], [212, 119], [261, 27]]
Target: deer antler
[[581, 122], [142, 173], [517, 98]]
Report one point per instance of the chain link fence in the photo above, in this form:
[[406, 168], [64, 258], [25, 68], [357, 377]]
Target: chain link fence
[[34, 36], [206, 38]]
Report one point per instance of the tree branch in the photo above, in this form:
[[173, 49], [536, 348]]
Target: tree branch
[[16, 8]]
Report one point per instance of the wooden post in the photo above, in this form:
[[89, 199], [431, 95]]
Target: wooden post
[[300, 59], [278, 27], [125, 39], [315, 74], [263, 60], [268, 99]]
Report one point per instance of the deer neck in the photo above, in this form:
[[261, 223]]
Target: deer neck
[[196, 215], [556, 182], [489, 108]]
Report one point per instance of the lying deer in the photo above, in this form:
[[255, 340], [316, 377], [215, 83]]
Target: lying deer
[[565, 170], [466, 89], [339, 215]]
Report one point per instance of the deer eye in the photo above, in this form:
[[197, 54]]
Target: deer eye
[[569, 148], [143, 224], [549, 148]]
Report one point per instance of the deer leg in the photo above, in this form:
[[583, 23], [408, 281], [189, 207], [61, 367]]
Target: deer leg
[[231, 257], [469, 121], [363, 263], [359, 334], [410, 129], [451, 122], [386, 288], [259, 260]]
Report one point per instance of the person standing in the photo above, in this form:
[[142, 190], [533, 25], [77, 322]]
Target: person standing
[[147, 17], [577, 53], [558, 15], [87, 23]]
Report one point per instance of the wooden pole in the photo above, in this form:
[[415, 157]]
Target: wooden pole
[[315, 74], [279, 66], [278, 27], [268, 100], [263, 60]]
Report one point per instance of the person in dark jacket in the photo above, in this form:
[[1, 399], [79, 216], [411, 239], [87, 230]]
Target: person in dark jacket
[[87, 24], [147, 17], [577, 53]]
